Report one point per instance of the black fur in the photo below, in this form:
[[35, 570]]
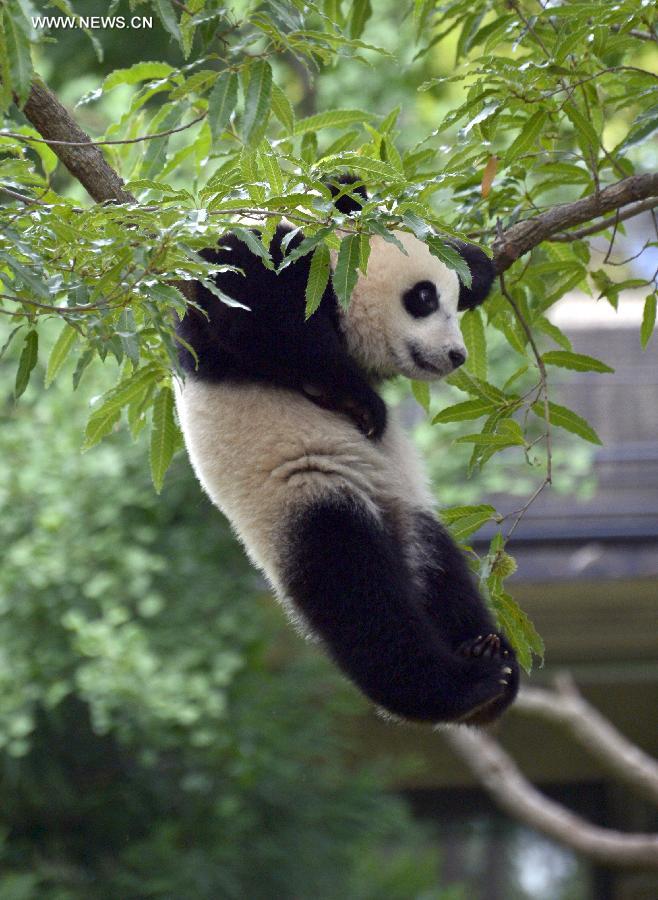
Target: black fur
[[272, 341], [482, 275], [413, 649]]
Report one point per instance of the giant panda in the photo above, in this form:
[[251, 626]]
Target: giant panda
[[288, 435]]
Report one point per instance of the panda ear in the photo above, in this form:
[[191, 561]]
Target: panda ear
[[349, 202], [482, 276]]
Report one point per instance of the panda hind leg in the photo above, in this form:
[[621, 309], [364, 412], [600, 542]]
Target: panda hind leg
[[345, 572]]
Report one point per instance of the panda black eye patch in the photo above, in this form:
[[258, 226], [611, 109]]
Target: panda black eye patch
[[421, 300]]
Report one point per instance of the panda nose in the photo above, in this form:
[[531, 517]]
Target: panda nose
[[457, 358]]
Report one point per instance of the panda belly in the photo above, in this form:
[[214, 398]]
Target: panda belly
[[264, 454], [343, 528]]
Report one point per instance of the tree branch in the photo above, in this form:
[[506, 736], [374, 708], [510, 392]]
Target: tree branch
[[83, 160], [522, 237], [567, 707], [501, 777], [630, 212]]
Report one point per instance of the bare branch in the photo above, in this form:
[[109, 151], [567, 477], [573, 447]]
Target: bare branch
[[501, 777], [567, 707], [630, 212], [522, 237], [83, 160]]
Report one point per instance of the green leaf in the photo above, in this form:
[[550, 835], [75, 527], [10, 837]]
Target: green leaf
[[452, 513], [541, 323], [19, 53], [567, 419], [318, 278], [257, 102], [467, 525], [104, 417], [518, 628], [648, 320], [60, 352], [163, 436], [333, 118], [421, 392], [492, 440], [478, 388], [451, 258], [527, 137], [27, 362], [587, 136], [345, 275], [167, 16], [473, 333], [359, 14], [362, 165], [305, 246], [566, 359], [141, 71], [463, 412], [221, 103], [282, 108]]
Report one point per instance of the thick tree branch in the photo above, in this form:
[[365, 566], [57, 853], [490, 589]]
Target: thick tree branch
[[84, 161], [501, 777], [597, 735], [522, 237]]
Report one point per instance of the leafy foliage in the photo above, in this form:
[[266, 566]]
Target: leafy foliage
[[544, 103]]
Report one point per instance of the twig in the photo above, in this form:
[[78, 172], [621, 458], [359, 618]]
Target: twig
[[630, 212], [501, 777], [28, 201], [145, 137], [567, 707]]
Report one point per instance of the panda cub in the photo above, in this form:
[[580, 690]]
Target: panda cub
[[288, 435]]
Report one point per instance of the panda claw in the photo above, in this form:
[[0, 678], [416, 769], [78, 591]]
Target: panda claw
[[507, 670], [503, 681]]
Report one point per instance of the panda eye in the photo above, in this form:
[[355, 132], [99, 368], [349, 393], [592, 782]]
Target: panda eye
[[421, 300]]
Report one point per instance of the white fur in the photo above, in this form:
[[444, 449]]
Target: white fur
[[260, 452], [376, 325]]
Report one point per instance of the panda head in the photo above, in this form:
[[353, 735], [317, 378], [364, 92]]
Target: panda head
[[403, 315]]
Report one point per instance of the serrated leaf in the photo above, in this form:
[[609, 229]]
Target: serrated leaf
[[587, 137], [59, 353], [359, 14], [468, 525], [345, 274], [421, 392], [526, 138], [19, 54], [221, 103], [488, 176], [141, 71], [463, 412], [452, 513], [167, 16], [27, 362], [648, 320], [318, 278], [163, 436], [332, 118], [451, 258], [472, 328], [257, 102], [104, 417], [282, 108], [518, 628], [492, 440], [579, 362], [541, 323], [363, 165], [566, 418]]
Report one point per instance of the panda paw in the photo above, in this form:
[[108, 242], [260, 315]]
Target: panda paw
[[366, 408], [487, 646], [368, 414], [496, 655]]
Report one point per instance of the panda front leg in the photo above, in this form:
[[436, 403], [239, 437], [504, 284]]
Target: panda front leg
[[452, 599], [345, 572]]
